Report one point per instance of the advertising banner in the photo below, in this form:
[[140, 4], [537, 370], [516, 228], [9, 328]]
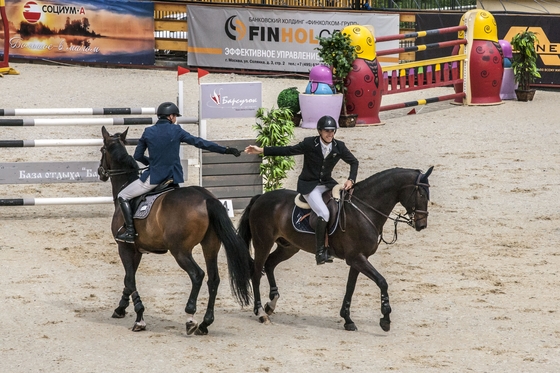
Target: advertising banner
[[546, 27], [230, 100], [116, 32], [271, 39]]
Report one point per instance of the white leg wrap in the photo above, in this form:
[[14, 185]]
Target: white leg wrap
[[272, 303]]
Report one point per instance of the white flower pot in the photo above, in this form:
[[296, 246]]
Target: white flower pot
[[314, 107]]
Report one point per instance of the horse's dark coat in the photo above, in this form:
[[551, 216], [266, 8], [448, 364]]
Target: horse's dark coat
[[267, 220], [178, 221]]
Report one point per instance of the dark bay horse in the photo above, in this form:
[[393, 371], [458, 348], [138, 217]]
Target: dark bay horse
[[267, 220], [178, 221]]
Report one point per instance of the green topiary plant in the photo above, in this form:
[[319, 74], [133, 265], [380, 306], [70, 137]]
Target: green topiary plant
[[275, 128], [338, 52], [525, 59], [289, 98]]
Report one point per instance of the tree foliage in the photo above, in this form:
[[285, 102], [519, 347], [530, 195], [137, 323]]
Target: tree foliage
[[275, 128], [525, 59]]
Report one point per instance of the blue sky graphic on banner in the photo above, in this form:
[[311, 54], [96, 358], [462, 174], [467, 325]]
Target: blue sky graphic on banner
[[116, 32]]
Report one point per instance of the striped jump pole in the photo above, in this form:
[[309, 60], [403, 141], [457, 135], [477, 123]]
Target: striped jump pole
[[402, 105], [89, 121], [420, 34], [78, 111], [423, 47], [56, 142], [55, 201], [369, 82], [59, 142]]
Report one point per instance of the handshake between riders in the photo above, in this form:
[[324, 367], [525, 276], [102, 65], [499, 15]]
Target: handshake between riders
[[162, 141]]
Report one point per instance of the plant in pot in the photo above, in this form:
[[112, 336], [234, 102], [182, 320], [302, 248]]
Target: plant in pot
[[337, 52], [289, 99], [274, 128], [525, 63]]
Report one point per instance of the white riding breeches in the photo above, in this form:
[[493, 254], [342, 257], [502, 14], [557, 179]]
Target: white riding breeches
[[136, 188], [315, 201]]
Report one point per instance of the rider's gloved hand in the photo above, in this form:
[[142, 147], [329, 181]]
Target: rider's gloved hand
[[233, 151]]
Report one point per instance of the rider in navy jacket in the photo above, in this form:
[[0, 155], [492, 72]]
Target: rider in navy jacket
[[320, 155], [163, 141]]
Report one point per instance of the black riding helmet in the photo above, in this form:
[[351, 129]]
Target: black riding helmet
[[326, 123], [167, 108]]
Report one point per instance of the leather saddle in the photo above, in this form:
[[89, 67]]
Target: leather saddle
[[142, 204], [304, 219]]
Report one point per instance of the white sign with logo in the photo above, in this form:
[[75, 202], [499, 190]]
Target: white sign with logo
[[230, 100]]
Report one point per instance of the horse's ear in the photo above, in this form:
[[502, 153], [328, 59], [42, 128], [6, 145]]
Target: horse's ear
[[123, 135], [105, 133], [428, 173]]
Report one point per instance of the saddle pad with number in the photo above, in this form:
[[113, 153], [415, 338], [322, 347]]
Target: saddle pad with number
[[300, 221], [145, 205]]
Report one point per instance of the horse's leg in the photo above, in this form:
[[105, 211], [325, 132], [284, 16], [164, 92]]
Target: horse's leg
[[196, 274], [345, 310], [361, 264], [258, 266], [256, 281], [130, 259], [279, 255], [211, 259]]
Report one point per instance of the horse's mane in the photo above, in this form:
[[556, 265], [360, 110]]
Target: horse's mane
[[382, 179], [120, 155]]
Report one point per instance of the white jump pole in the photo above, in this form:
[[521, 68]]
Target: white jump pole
[[55, 201], [77, 111]]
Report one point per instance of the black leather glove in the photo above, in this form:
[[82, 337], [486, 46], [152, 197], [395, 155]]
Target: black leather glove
[[233, 151]]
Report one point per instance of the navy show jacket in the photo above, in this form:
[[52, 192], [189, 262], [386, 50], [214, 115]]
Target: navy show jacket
[[163, 141]]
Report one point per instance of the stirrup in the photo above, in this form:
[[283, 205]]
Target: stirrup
[[329, 258], [321, 257], [127, 237]]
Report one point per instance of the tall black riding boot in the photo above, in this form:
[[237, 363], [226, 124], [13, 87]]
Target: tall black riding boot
[[129, 232], [321, 255]]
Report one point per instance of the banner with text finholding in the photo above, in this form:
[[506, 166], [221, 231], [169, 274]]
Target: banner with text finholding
[[271, 39]]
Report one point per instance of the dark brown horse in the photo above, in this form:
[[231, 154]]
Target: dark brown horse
[[267, 220], [178, 221]]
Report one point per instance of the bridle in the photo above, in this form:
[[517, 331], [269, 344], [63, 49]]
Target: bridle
[[410, 220], [418, 188], [104, 170]]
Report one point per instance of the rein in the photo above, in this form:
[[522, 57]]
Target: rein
[[399, 219], [110, 173]]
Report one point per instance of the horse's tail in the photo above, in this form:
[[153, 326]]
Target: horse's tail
[[237, 253], [244, 229]]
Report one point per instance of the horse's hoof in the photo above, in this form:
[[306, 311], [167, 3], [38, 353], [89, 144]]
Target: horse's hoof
[[139, 326], [264, 320], [192, 326], [269, 310], [117, 315], [351, 327], [201, 330], [385, 324]]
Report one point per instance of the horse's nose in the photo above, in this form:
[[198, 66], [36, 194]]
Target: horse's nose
[[420, 224]]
